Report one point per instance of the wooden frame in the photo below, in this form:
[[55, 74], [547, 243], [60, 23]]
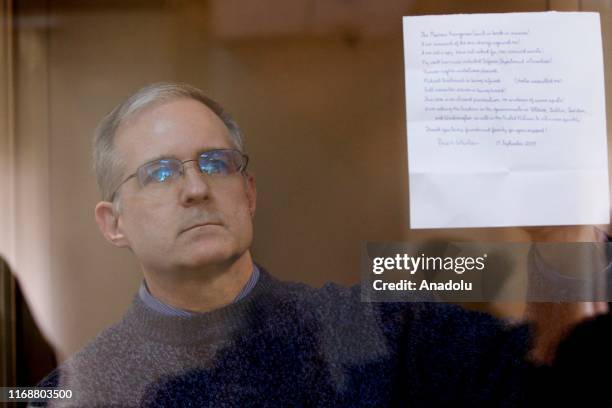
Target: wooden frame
[[8, 369]]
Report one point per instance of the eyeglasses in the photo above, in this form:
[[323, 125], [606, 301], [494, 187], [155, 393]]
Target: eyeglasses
[[217, 162]]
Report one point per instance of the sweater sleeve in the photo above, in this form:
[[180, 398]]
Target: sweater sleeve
[[426, 354], [450, 356]]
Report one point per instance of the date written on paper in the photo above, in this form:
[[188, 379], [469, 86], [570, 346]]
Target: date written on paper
[[498, 142]]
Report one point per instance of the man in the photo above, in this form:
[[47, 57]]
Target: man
[[210, 328]]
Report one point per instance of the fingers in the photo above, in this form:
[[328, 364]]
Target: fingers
[[600, 307], [566, 233]]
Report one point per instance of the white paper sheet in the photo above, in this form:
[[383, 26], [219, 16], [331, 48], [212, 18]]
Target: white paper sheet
[[506, 120]]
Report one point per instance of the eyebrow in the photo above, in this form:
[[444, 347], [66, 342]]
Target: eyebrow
[[160, 157], [171, 156]]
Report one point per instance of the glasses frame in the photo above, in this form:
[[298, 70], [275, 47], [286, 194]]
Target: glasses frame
[[242, 168]]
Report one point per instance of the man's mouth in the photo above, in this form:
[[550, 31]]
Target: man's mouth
[[200, 225]]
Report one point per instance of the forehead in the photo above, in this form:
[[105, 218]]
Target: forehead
[[178, 128]]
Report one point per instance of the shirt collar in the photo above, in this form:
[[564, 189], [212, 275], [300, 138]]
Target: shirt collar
[[160, 307]]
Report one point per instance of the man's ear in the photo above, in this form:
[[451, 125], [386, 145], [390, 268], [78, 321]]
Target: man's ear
[[108, 222], [251, 191]]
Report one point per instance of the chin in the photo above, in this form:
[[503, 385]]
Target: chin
[[211, 255], [215, 247]]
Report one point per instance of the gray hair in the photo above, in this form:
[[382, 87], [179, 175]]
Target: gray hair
[[107, 164]]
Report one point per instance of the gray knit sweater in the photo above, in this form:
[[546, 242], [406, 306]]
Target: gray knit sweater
[[287, 344]]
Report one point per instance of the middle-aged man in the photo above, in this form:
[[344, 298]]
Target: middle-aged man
[[210, 328]]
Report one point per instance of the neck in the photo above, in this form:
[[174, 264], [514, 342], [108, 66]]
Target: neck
[[202, 290]]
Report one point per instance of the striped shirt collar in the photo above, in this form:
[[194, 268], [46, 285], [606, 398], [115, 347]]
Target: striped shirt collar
[[160, 307]]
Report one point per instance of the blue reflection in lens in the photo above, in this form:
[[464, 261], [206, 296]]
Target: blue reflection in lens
[[161, 174], [159, 171], [213, 166], [216, 162]]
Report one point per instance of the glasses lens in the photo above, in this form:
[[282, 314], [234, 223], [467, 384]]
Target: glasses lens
[[159, 171], [221, 162]]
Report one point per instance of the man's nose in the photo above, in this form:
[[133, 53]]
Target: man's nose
[[195, 185]]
